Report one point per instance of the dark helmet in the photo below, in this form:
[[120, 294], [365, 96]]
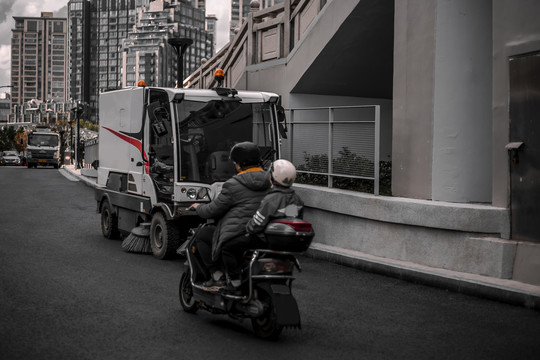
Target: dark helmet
[[246, 154]]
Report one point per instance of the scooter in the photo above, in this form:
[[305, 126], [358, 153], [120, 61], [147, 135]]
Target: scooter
[[265, 296]]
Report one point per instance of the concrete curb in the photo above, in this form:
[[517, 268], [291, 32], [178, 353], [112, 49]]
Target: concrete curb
[[502, 290]]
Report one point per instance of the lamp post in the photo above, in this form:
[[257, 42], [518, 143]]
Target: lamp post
[[80, 110], [180, 45], [203, 61]]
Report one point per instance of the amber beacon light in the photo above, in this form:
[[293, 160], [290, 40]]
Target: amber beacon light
[[219, 75]]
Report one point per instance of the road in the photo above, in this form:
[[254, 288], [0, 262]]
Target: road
[[66, 292]]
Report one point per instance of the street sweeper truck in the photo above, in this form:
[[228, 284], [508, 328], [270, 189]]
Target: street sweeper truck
[[162, 149]]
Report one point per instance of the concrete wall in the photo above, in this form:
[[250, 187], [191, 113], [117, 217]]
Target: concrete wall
[[458, 237]]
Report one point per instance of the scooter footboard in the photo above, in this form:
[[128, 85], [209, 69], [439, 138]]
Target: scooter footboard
[[284, 304]]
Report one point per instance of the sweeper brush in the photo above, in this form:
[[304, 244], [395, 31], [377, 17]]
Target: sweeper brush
[[138, 241]]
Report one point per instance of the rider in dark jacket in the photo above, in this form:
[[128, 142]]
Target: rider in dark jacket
[[235, 205]]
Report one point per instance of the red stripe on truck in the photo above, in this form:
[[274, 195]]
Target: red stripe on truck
[[135, 142]]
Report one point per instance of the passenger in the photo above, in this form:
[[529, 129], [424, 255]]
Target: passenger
[[235, 205], [281, 201]]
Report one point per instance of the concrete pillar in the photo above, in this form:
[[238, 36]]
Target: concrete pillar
[[442, 100], [462, 125]]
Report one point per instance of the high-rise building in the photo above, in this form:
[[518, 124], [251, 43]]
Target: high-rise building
[[108, 38], [211, 21], [79, 50], [39, 59], [148, 56], [4, 108]]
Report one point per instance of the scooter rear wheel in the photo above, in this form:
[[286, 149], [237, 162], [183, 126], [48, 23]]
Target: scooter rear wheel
[[185, 293], [266, 326]]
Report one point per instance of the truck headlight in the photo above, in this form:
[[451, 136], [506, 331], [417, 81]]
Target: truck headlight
[[191, 193]]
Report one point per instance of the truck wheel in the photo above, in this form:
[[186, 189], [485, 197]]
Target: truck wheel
[[109, 221], [164, 237]]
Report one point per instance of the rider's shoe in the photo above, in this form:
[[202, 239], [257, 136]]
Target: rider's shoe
[[214, 285]]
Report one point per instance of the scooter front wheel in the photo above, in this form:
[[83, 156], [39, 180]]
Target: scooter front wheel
[[185, 293]]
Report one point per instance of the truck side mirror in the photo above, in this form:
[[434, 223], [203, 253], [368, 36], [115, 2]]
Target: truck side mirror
[[282, 121]]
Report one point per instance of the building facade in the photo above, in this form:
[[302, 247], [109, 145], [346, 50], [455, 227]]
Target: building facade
[[148, 56], [457, 84], [4, 108], [39, 53], [115, 43]]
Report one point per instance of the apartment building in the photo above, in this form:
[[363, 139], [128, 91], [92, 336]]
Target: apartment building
[[39, 59], [114, 43], [148, 56]]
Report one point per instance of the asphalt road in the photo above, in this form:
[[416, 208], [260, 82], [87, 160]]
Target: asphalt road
[[68, 293]]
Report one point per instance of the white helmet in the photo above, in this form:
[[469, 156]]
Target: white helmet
[[283, 172]]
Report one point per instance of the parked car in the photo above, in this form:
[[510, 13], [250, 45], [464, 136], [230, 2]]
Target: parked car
[[10, 157]]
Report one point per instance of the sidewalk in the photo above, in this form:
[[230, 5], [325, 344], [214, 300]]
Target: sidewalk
[[503, 290]]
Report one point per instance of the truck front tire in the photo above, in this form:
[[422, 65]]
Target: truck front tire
[[164, 237], [109, 221]]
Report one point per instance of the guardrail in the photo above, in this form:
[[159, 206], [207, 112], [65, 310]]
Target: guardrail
[[91, 153], [335, 142]]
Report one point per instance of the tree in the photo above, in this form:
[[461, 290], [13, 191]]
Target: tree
[[7, 138], [21, 140]]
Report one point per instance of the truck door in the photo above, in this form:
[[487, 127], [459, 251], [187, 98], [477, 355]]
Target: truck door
[[161, 152]]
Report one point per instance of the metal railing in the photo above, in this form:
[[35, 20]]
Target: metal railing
[[345, 143], [91, 152], [285, 22]]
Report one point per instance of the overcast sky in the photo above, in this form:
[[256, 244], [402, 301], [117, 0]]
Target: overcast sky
[[31, 8]]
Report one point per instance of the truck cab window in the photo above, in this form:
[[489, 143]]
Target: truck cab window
[[207, 132]]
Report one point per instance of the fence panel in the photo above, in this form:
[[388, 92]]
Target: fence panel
[[335, 146]]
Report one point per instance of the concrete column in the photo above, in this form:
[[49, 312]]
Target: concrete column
[[414, 56], [442, 100], [462, 124]]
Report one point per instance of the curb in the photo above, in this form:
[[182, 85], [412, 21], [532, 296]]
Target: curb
[[502, 290]]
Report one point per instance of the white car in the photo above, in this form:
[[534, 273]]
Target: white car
[[10, 158]]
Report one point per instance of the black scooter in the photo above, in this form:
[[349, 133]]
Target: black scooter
[[265, 295]]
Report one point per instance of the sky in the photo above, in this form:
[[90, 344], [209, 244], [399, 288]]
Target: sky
[[33, 8]]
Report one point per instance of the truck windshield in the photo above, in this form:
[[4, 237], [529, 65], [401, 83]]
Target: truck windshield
[[43, 140], [208, 130]]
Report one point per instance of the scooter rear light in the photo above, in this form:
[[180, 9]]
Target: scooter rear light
[[297, 225], [274, 266]]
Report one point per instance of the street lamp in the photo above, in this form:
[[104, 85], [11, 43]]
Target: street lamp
[[203, 61], [180, 46]]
